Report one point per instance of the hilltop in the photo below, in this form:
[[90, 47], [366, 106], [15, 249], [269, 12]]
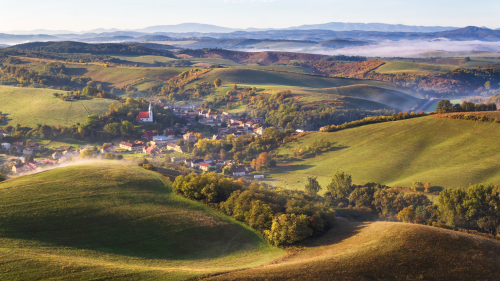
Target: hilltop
[[110, 220], [384, 251], [447, 153]]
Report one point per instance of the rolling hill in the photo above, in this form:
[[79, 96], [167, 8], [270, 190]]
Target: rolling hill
[[384, 251], [113, 221], [445, 152], [31, 106]]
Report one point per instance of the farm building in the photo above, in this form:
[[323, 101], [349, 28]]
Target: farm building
[[258, 176], [56, 155], [239, 172], [189, 137], [178, 160], [136, 146]]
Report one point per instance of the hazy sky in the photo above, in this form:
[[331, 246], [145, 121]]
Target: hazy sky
[[77, 15]]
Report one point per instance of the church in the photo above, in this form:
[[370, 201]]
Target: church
[[146, 116]]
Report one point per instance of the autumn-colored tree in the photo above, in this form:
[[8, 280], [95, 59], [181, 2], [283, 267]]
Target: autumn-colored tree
[[417, 186], [217, 83], [427, 187], [235, 87], [407, 214]]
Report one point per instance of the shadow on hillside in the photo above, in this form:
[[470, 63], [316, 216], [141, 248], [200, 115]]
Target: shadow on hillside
[[150, 228], [76, 71], [342, 229], [290, 168], [5, 118]]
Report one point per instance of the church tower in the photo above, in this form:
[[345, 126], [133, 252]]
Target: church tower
[[150, 113]]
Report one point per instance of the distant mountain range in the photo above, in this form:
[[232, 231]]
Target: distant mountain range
[[208, 28], [211, 38]]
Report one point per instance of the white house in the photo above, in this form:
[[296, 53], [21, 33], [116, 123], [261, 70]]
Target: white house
[[145, 116], [6, 145], [239, 172]]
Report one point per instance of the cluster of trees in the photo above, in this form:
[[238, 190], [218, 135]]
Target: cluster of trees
[[314, 148], [262, 162], [174, 89], [53, 75], [475, 207], [471, 117], [283, 217], [445, 106], [69, 47], [373, 120], [284, 111], [243, 148]]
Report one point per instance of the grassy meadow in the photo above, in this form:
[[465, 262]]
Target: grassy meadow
[[113, 221], [414, 68], [383, 251], [445, 152], [30, 106]]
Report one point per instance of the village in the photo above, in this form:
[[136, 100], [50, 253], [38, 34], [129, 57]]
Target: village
[[20, 157]]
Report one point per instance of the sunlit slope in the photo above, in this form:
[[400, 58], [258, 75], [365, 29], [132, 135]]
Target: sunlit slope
[[385, 251], [261, 77], [115, 221], [30, 106], [447, 153]]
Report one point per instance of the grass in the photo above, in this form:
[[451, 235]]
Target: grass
[[445, 152], [109, 220], [30, 106], [413, 68], [260, 77], [384, 251]]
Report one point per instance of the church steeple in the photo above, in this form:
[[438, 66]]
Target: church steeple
[[150, 113]]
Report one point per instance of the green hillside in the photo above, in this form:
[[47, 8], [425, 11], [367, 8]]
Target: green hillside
[[30, 106], [261, 77], [392, 98], [414, 68], [445, 152], [113, 221], [384, 251]]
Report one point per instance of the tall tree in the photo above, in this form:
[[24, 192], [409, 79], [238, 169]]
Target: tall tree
[[312, 186], [340, 186]]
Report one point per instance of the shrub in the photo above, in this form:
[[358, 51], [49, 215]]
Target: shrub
[[407, 215]]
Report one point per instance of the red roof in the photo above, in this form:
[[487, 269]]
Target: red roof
[[144, 114], [148, 135]]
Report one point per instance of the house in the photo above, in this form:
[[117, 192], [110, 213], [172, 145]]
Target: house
[[299, 131], [62, 159], [169, 132], [208, 166], [178, 160], [22, 159], [136, 146], [239, 172], [85, 147], [32, 165], [258, 176], [49, 161], [56, 155], [20, 168], [146, 116], [19, 148], [28, 151], [108, 148], [171, 146], [189, 137], [33, 145], [196, 162], [258, 120], [217, 137], [259, 131], [21, 143], [148, 136], [6, 145], [162, 140], [151, 150], [188, 162]]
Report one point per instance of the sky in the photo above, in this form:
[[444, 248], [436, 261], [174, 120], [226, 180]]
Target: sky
[[83, 15]]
